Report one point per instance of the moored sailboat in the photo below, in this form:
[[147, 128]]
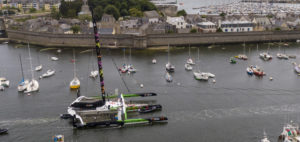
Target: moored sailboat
[[33, 85], [24, 82], [169, 66], [75, 83]]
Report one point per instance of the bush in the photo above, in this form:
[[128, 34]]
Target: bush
[[181, 13], [135, 12], [55, 14], [75, 29], [277, 29], [193, 30], [223, 14], [32, 10], [219, 30]]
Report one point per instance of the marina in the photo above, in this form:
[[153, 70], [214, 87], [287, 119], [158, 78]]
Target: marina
[[206, 108]]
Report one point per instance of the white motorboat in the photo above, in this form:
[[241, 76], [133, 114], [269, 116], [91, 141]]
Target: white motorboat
[[94, 74], [154, 61], [38, 68], [201, 76], [54, 58], [188, 67], [32, 86], [4, 82], [48, 73], [265, 56]]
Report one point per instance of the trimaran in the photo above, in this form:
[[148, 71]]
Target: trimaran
[[108, 110]]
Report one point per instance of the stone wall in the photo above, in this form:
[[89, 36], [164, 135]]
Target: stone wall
[[153, 40]]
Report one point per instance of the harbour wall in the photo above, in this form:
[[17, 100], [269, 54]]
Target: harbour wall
[[154, 40]]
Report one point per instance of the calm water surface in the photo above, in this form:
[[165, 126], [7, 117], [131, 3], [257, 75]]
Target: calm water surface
[[236, 108]]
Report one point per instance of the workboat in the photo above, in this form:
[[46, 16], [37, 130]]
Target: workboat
[[249, 70], [265, 56], [154, 61], [282, 56], [54, 58], [98, 111], [232, 60], [48, 73], [290, 133], [258, 71], [168, 77], [265, 138], [4, 82], [3, 131], [188, 67]]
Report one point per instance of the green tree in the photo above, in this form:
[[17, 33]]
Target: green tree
[[32, 10], [219, 30], [63, 8], [135, 12], [98, 12], [181, 13], [277, 29], [75, 29], [124, 12], [223, 14], [71, 13], [193, 30], [112, 10], [55, 14]]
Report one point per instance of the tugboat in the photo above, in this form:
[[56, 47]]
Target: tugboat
[[290, 133]]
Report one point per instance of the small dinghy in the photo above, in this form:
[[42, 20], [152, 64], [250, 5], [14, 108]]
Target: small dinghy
[[168, 77], [94, 74], [150, 108], [48, 73], [249, 70], [65, 116], [241, 56], [54, 58], [201, 76], [154, 61], [3, 131], [265, 56], [188, 67], [292, 56], [4, 82], [38, 68]]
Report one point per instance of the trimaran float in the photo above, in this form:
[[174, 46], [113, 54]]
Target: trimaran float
[[108, 110]]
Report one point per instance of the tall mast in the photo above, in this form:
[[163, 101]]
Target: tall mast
[[168, 53], [31, 69], [74, 63], [99, 57], [21, 68]]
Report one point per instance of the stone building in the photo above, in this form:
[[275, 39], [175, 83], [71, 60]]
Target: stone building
[[206, 27]]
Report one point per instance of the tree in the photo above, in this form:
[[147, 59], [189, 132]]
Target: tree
[[219, 30], [85, 17], [181, 13], [135, 12], [32, 10], [124, 12], [71, 13], [112, 10], [277, 29], [98, 12], [223, 14], [193, 30], [75, 29], [63, 8], [55, 14]]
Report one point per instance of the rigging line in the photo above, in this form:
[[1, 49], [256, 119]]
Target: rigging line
[[118, 70]]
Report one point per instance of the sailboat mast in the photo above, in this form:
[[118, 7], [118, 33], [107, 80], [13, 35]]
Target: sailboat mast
[[74, 64], [168, 53], [21, 68], [189, 51], [32, 75], [99, 57]]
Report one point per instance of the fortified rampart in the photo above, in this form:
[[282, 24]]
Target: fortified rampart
[[113, 41]]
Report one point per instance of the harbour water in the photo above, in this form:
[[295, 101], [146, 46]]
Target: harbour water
[[236, 108]]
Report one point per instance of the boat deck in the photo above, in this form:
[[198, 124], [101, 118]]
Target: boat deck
[[97, 116]]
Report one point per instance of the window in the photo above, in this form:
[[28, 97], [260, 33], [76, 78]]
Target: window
[[226, 30], [248, 29], [231, 30]]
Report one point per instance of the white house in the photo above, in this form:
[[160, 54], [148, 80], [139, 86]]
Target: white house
[[207, 27], [179, 22], [237, 26]]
